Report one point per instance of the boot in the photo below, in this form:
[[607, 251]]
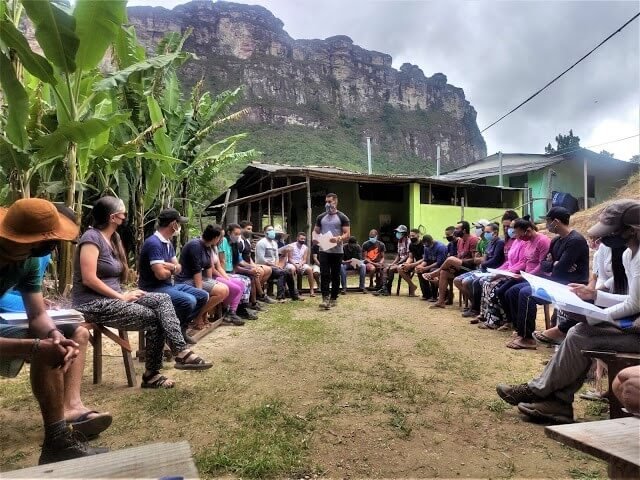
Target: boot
[[326, 302], [67, 447], [553, 411]]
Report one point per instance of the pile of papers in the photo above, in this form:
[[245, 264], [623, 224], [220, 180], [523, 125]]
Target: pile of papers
[[61, 316]]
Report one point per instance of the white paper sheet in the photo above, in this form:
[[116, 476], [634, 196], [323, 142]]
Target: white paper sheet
[[564, 298], [355, 263], [324, 241], [58, 316], [502, 273]]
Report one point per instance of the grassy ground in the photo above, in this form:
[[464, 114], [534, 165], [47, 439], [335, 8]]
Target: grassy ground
[[378, 387]]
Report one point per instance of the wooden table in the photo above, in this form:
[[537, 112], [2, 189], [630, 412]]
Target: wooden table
[[148, 461], [614, 441]]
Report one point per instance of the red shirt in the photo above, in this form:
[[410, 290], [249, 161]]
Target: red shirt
[[467, 248]]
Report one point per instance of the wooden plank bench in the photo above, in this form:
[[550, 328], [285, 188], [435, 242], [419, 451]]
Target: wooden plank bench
[[615, 441], [148, 461], [615, 362]]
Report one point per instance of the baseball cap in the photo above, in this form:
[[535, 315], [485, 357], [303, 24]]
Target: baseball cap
[[558, 213], [32, 220], [169, 215], [481, 223], [401, 229], [615, 217]]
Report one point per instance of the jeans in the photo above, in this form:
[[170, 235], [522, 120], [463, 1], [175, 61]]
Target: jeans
[[521, 309], [187, 300], [347, 266], [282, 276], [429, 289], [330, 274]]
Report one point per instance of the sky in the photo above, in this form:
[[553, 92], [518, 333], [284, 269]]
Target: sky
[[501, 52]]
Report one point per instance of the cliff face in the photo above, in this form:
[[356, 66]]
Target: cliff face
[[328, 84]]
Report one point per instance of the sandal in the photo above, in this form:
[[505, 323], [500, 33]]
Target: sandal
[[542, 338], [156, 380], [191, 361], [516, 345]]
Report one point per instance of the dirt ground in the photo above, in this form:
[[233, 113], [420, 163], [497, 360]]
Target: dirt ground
[[377, 387]]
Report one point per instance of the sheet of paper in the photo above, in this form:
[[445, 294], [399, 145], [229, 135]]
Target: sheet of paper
[[503, 273], [564, 298], [324, 241], [355, 263], [58, 316]]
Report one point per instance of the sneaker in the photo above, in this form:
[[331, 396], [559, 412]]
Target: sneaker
[[515, 394], [233, 319], [433, 299], [333, 302], [469, 313], [343, 291], [258, 308], [326, 303], [247, 314], [553, 411], [297, 298], [66, 447], [363, 290], [187, 337], [383, 292], [268, 300]]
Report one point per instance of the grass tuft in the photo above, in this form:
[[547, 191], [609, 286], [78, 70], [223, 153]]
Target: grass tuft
[[267, 442], [580, 474]]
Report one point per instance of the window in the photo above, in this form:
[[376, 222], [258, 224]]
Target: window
[[442, 195], [381, 192], [591, 186]]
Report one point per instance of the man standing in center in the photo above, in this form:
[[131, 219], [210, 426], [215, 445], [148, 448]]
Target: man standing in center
[[337, 224]]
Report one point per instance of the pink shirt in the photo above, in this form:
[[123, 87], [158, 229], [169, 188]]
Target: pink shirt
[[530, 254], [515, 257]]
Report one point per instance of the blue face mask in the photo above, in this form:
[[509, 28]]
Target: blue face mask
[[398, 235], [271, 234], [488, 236], [511, 232], [373, 239]]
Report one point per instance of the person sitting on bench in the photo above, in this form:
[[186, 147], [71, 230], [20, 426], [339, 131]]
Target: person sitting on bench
[[267, 254], [158, 265], [100, 268], [435, 253], [246, 266], [299, 260], [31, 229], [373, 256], [549, 397], [416, 252], [454, 265], [401, 256], [352, 260]]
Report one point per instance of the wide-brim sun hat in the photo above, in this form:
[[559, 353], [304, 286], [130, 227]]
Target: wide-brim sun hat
[[33, 220]]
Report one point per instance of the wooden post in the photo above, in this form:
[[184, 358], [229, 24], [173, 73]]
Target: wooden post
[[586, 183], [249, 212], [461, 208], [284, 223], [269, 200], [309, 223], [288, 204], [224, 208], [260, 211]]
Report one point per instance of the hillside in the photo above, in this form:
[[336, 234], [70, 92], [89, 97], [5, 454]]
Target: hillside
[[316, 101]]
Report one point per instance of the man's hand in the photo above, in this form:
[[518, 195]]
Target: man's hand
[[57, 351], [133, 295], [583, 291]]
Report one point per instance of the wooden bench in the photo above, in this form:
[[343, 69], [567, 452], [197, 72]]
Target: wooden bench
[[615, 441], [615, 362], [148, 461], [122, 339]]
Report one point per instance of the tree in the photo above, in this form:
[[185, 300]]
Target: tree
[[606, 154], [565, 143]]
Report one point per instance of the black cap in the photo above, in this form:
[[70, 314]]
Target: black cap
[[169, 215], [558, 213]]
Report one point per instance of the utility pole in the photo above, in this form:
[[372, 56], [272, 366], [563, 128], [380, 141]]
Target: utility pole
[[369, 169], [437, 161]]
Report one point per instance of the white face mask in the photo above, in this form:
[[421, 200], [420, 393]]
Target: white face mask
[[479, 232]]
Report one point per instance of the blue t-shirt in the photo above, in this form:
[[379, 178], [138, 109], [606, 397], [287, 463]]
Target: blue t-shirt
[[436, 254], [195, 258], [225, 247], [154, 251]]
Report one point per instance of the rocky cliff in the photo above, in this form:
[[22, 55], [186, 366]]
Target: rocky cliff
[[316, 101]]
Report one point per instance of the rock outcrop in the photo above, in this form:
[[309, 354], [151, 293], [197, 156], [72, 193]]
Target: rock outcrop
[[320, 84]]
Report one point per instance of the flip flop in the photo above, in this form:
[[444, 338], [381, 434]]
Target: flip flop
[[519, 346], [542, 338], [91, 427]]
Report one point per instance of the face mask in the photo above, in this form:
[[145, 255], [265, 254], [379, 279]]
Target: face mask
[[458, 233], [271, 234], [511, 232], [478, 232], [488, 236], [177, 231], [246, 234], [373, 239], [450, 238], [398, 235], [413, 239], [330, 208], [614, 241], [551, 227], [234, 238], [301, 242], [43, 250]]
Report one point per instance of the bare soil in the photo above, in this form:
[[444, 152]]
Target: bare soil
[[377, 387]]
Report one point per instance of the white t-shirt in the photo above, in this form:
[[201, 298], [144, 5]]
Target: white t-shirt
[[602, 266], [621, 306]]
